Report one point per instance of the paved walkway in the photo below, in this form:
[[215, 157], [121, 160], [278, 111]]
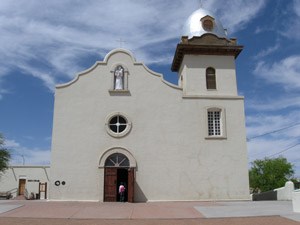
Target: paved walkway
[[164, 213]]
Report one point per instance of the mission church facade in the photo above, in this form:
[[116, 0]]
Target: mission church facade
[[119, 122]]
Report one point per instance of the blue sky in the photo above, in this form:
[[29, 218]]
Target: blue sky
[[44, 43]]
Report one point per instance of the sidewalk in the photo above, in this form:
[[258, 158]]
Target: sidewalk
[[278, 212]]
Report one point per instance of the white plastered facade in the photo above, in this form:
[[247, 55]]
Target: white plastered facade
[[167, 143], [166, 140]]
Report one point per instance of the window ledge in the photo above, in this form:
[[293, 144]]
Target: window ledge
[[118, 91], [125, 92], [215, 137]]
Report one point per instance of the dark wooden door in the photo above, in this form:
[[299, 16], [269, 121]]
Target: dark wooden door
[[22, 183], [110, 184], [130, 184]]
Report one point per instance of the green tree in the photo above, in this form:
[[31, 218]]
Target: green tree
[[269, 174], [4, 155]]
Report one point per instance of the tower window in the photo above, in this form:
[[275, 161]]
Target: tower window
[[208, 25], [211, 78], [214, 123]]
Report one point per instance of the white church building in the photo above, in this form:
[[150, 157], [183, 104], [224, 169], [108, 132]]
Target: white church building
[[120, 122]]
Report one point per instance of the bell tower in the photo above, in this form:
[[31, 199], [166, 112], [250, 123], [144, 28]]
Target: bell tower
[[205, 58]]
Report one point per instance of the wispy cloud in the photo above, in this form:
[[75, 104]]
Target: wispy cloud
[[293, 30], [23, 155], [284, 72], [267, 123], [235, 14], [285, 101], [267, 51], [296, 7], [49, 39]]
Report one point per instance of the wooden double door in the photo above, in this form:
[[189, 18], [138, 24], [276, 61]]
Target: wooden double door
[[113, 177]]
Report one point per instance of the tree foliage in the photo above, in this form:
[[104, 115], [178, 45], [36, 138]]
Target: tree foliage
[[4, 155], [269, 174]]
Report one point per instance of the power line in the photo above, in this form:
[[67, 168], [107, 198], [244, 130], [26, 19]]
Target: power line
[[270, 156], [274, 131], [277, 153]]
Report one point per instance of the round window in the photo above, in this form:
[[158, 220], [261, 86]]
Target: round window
[[118, 125]]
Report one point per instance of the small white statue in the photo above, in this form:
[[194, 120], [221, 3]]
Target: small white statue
[[119, 78]]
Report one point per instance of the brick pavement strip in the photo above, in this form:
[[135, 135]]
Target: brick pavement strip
[[267, 220]]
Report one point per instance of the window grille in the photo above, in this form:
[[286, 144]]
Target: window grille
[[214, 123]]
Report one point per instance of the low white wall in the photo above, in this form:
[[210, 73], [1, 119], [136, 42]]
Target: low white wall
[[286, 192], [296, 200]]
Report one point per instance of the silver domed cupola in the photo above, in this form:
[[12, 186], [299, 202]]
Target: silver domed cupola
[[202, 22]]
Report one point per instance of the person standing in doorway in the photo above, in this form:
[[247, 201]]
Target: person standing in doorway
[[122, 192]]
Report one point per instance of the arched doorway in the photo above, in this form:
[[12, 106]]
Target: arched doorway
[[117, 171]]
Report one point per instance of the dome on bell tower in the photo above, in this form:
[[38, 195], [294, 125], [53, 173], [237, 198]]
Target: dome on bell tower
[[202, 22]]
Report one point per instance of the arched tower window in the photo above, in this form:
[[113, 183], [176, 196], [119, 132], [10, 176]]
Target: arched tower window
[[211, 78]]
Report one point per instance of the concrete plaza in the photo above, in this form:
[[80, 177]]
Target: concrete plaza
[[239, 212]]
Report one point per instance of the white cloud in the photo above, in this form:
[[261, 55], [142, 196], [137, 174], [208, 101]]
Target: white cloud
[[260, 123], [23, 155], [292, 30], [11, 144], [48, 80], [266, 52], [235, 14], [286, 101], [31, 157], [296, 7], [285, 72], [49, 38]]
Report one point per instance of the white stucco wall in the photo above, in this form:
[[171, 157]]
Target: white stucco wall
[[285, 193], [175, 160], [193, 69], [296, 201], [9, 180]]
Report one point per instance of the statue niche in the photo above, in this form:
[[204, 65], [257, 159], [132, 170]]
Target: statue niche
[[119, 78]]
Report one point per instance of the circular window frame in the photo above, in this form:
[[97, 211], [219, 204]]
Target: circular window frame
[[123, 132]]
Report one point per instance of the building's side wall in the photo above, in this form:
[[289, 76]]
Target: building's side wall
[[174, 159], [9, 180], [185, 165]]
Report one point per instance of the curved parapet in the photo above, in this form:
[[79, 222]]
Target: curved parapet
[[105, 62]]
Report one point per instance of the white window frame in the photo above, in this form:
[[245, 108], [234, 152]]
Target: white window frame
[[118, 134], [221, 125]]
